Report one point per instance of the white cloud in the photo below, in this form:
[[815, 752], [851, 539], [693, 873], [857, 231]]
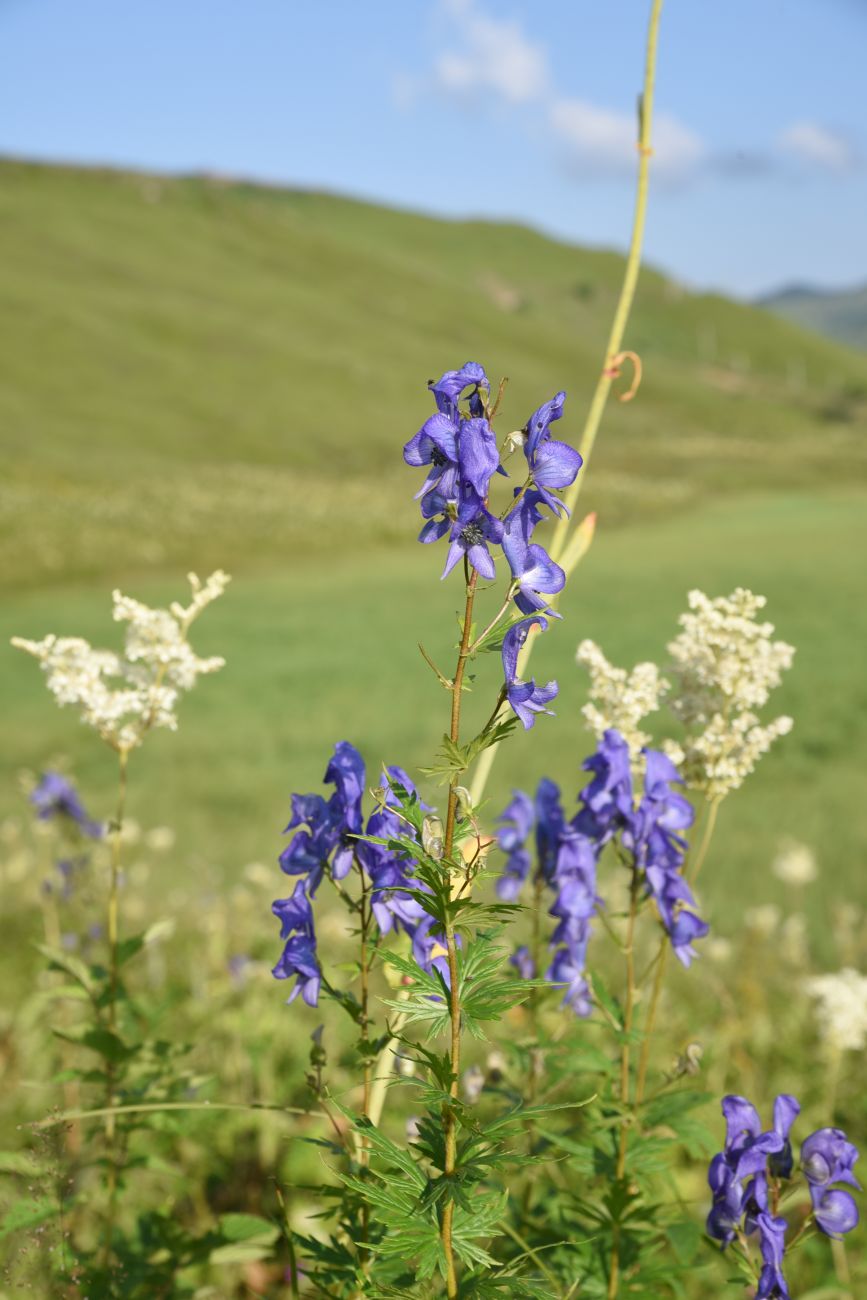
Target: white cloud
[[607, 140], [816, 145], [492, 55]]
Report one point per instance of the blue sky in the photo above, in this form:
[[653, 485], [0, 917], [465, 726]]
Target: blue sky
[[511, 108]]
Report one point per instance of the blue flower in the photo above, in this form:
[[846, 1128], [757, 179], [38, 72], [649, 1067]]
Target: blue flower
[[512, 836], [55, 796], [470, 536], [526, 698], [295, 914], [435, 444], [772, 1240], [523, 962], [565, 970], [448, 388], [550, 824], [748, 1153], [827, 1157], [346, 771], [390, 874], [536, 574], [551, 464], [299, 958], [299, 954], [327, 828]]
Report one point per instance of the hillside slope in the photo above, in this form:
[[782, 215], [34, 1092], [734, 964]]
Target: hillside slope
[[201, 372], [841, 315]]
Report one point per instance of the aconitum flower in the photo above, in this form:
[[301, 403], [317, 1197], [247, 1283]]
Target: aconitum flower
[[56, 796], [772, 1241], [565, 970], [565, 865], [327, 828], [512, 836], [827, 1157], [551, 464], [526, 698], [299, 959], [470, 538], [535, 573], [299, 955], [746, 1155], [346, 772]]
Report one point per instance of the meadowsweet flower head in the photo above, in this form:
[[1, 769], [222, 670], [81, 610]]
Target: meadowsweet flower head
[[725, 665], [841, 1008], [795, 864], [620, 700], [123, 695]]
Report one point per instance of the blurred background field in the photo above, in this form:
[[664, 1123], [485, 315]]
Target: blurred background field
[[196, 373]]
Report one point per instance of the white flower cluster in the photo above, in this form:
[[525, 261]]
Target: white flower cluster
[[123, 695], [795, 864], [841, 1009], [620, 699], [725, 665]]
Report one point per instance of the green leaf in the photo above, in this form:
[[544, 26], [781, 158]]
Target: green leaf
[[27, 1214], [67, 961], [246, 1227], [102, 1041]]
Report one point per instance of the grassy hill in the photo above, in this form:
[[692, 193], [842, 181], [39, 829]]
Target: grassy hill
[[192, 369], [197, 373], [840, 314]]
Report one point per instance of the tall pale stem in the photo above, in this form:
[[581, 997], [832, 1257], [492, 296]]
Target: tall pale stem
[[450, 1124], [561, 539]]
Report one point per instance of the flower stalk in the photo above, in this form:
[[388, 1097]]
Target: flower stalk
[[449, 1120]]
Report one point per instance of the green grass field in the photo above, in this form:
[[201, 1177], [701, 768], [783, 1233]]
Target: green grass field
[[195, 373], [331, 653]]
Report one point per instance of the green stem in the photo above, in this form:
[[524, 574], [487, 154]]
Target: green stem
[[113, 983], [630, 279], [449, 1119], [628, 1015], [662, 958], [561, 540]]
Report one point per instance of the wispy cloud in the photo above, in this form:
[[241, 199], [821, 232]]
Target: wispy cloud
[[493, 62], [494, 56], [606, 140], [817, 146]]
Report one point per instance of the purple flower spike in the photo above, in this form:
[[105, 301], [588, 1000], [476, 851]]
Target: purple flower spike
[[55, 796], [512, 836], [523, 963], [526, 698]]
